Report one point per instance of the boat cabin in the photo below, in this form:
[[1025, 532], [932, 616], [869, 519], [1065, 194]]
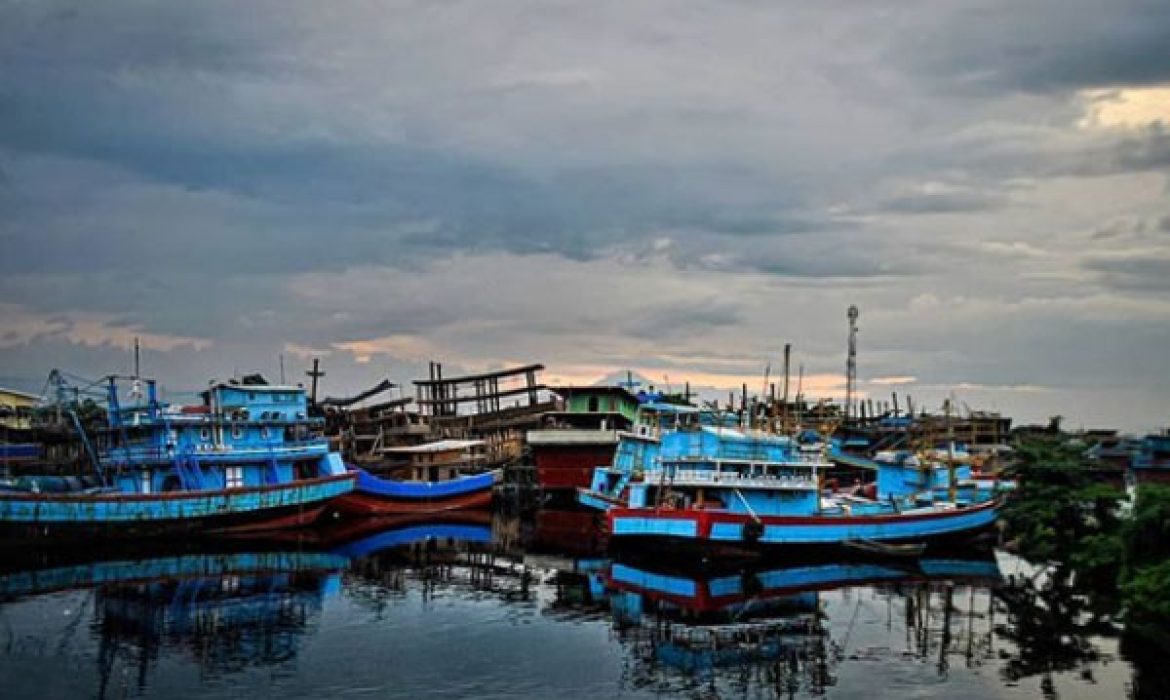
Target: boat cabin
[[439, 461], [241, 435], [16, 409], [722, 468]]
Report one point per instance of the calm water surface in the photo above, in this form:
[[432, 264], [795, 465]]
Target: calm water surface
[[511, 608]]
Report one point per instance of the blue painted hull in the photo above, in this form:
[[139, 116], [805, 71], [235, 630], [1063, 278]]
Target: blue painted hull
[[28, 518], [374, 495], [714, 527]]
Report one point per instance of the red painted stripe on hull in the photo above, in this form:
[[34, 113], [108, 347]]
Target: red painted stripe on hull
[[305, 517], [364, 504]]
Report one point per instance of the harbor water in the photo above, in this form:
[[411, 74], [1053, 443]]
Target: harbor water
[[508, 607]]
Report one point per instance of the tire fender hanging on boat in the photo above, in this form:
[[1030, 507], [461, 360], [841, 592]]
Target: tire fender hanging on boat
[[753, 530]]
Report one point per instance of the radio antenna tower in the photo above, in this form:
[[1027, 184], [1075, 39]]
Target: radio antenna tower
[[851, 364]]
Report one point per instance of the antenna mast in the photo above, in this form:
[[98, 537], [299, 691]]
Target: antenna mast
[[136, 382], [851, 364]]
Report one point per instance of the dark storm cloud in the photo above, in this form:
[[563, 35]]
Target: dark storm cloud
[[943, 202], [1148, 229], [684, 318], [180, 96], [1144, 270], [1149, 149], [1043, 46]]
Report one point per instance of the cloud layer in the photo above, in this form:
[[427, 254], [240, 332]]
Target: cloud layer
[[676, 187]]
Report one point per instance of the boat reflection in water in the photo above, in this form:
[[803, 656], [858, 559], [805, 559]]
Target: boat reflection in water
[[228, 606], [228, 609], [461, 552], [318, 617], [768, 627]]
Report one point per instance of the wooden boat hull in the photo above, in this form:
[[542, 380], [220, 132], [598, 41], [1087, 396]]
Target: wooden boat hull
[[360, 504], [30, 518], [376, 496], [721, 529]]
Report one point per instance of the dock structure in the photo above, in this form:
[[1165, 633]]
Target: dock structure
[[497, 408], [441, 397], [472, 406]]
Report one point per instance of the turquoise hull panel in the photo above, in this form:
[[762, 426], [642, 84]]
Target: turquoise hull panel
[[58, 509], [725, 527]]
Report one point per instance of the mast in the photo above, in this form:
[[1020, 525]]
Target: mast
[[851, 363], [315, 374], [799, 394], [950, 451], [784, 400]]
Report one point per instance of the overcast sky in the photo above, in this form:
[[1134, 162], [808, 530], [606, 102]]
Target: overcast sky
[[676, 187]]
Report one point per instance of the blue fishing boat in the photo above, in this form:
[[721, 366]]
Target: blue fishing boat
[[439, 476], [248, 459], [722, 487], [1151, 461], [375, 495]]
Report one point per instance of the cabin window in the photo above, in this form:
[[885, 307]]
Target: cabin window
[[593, 403], [234, 477], [145, 480], [237, 432], [251, 396], [204, 434]]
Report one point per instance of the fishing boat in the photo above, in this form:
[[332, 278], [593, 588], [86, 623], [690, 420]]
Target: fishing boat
[[247, 459], [1151, 461], [738, 489], [438, 481]]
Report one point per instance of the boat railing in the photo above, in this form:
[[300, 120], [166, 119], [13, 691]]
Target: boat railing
[[153, 453], [745, 456], [761, 465], [733, 480]]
